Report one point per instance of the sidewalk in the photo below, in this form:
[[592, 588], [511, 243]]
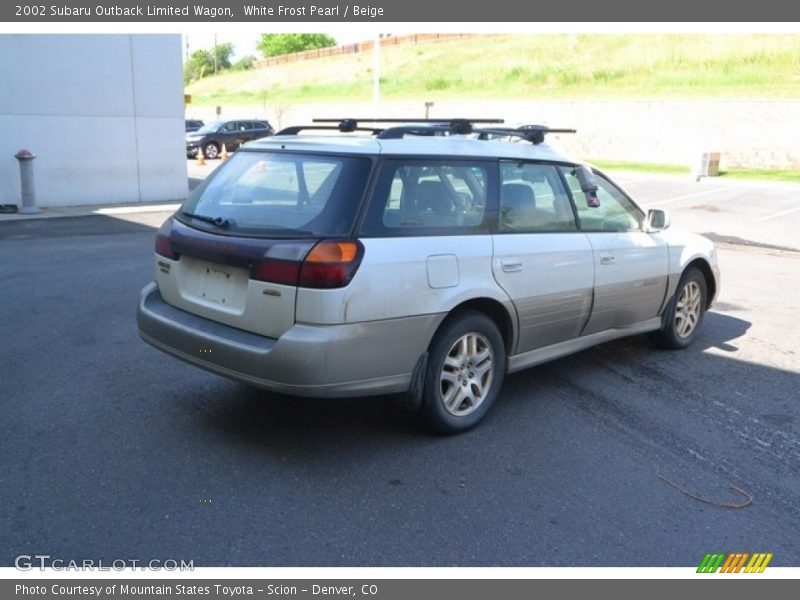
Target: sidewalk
[[196, 175], [93, 209]]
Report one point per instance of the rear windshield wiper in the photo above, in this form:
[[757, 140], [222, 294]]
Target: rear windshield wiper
[[218, 221]]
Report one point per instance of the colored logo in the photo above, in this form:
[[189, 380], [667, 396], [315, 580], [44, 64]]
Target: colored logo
[[735, 562]]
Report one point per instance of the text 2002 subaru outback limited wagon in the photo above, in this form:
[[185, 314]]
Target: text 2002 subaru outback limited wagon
[[428, 258]]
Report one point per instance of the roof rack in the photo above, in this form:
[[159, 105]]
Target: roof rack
[[412, 126], [530, 133], [407, 120], [430, 127]]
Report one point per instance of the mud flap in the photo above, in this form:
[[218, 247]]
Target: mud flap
[[412, 399]]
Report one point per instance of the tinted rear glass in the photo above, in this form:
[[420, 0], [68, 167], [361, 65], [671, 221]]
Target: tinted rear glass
[[282, 195]]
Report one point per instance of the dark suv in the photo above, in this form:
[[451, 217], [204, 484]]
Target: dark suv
[[210, 138]]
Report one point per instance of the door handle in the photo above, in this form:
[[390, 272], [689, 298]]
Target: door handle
[[511, 265], [607, 260]]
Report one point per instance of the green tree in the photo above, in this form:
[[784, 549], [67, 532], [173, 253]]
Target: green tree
[[201, 62], [244, 63], [275, 44]]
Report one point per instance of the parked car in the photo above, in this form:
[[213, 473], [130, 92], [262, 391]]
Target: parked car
[[428, 260], [193, 125], [211, 137]]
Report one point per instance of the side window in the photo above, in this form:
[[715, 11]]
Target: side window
[[533, 199], [229, 127], [428, 197], [615, 213]]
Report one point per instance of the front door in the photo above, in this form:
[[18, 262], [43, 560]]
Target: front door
[[630, 265]]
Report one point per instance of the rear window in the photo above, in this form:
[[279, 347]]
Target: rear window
[[210, 127], [281, 195]]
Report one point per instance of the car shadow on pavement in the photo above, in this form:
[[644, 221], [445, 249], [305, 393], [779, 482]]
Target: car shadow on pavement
[[279, 421], [719, 330], [267, 418]]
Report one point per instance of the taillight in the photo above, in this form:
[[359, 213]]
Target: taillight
[[329, 264], [164, 248], [277, 271]]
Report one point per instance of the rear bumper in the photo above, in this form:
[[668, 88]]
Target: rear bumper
[[355, 359]]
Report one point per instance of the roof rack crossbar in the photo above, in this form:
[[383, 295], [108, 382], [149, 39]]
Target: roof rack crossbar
[[530, 133], [295, 129]]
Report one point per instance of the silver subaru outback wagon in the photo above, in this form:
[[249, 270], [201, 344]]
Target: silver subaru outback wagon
[[428, 259]]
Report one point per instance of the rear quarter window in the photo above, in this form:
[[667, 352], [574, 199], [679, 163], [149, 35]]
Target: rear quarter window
[[428, 197]]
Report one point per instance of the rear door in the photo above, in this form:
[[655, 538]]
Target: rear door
[[427, 239], [540, 258], [228, 134], [630, 265]]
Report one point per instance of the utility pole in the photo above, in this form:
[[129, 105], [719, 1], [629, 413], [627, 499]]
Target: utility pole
[[376, 75]]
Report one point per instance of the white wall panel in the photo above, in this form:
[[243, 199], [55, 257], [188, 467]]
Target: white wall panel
[[103, 113]]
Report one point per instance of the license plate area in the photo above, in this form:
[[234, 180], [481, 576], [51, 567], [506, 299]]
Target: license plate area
[[212, 285], [217, 285]]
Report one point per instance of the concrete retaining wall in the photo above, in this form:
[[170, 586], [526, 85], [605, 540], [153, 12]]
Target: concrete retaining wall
[[748, 133]]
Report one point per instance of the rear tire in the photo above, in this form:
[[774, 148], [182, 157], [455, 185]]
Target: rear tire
[[466, 365], [211, 150], [684, 313]]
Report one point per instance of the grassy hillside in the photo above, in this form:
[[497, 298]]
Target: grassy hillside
[[532, 66]]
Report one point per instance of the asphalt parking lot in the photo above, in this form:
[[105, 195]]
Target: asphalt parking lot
[[112, 450]]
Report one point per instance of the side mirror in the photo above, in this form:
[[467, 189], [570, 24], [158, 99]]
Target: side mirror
[[657, 219], [589, 185]]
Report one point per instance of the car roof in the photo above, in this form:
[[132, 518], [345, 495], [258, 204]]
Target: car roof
[[452, 146]]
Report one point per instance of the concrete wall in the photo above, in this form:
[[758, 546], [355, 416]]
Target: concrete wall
[[103, 113], [748, 133]]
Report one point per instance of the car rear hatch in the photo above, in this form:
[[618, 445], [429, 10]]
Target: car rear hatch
[[259, 227]]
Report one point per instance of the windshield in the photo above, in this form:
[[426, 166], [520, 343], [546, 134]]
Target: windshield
[[282, 195], [210, 127]]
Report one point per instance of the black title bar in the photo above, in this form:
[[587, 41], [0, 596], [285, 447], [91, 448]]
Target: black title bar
[[411, 11]]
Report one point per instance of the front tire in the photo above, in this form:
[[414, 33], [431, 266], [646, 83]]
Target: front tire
[[684, 313], [466, 365]]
